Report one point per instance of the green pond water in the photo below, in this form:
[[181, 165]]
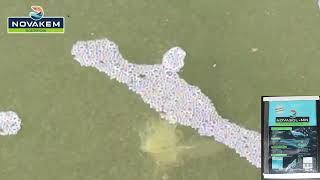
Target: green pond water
[[80, 125]]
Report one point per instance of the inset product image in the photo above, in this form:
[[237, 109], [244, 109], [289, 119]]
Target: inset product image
[[290, 137]]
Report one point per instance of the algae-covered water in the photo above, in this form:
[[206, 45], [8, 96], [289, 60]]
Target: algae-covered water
[[80, 125]]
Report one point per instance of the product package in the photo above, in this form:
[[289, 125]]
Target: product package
[[290, 137]]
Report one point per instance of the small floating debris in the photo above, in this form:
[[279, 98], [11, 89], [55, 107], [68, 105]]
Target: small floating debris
[[92, 34], [165, 177], [10, 123], [267, 13], [214, 65], [318, 4], [254, 49]]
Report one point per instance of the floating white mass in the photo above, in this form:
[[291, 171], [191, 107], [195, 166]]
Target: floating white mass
[[174, 59], [161, 87], [10, 123]]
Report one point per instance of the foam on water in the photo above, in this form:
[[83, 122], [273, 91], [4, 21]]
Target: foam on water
[[161, 87], [10, 123]]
